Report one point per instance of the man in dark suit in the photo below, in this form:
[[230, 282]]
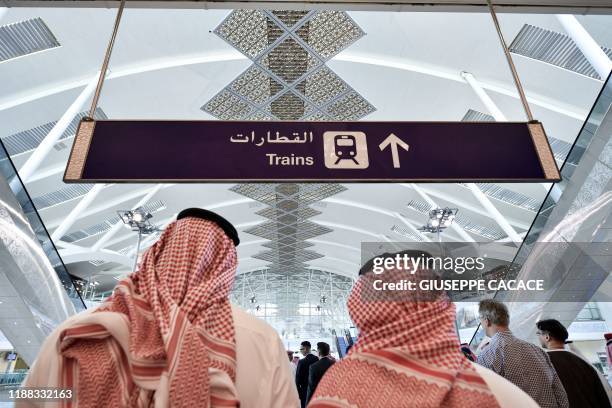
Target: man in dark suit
[[319, 368], [301, 373]]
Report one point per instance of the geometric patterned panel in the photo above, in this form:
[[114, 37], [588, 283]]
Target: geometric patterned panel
[[279, 196], [330, 32], [322, 86], [227, 106], [300, 215], [288, 79], [249, 31], [350, 106], [289, 60], [288, 228]]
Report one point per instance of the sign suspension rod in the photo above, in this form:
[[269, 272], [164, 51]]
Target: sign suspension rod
[[515, 76], [107, 56]]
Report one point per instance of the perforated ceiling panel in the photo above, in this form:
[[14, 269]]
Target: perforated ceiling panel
[[61, 196], [406, 233], [288, 79], [25, 37], [553, 48], [474, 116], [29, 139]]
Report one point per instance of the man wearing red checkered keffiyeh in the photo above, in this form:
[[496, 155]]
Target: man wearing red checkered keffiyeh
[[407, 354], [165, 338]]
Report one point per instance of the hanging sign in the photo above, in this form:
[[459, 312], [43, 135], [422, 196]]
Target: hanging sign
[[245, 151]]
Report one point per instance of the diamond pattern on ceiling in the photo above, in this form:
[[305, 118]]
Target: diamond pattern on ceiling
[[289, 60], [322, 86], [255, 86], [289, 17], [330, 32], [288, 227], [249, 31], [284, 246], [288, 79], [350, 106], [300, 214], [227, 106]]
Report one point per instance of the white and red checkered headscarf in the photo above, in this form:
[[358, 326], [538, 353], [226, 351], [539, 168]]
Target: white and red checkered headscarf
[[166, 335], [407, 354]]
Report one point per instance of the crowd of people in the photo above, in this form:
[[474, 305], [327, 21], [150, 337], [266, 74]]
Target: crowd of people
[[551, 375], [169, 337]]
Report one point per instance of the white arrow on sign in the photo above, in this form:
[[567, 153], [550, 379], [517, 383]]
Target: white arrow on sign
[[394, 141]]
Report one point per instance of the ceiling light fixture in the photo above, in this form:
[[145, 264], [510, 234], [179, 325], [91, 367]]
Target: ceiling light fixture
[[138, 220], [439, 219]]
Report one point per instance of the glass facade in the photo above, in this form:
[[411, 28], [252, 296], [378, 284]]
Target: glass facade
[[7, 171]]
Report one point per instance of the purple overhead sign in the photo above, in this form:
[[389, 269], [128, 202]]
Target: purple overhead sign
[[246, 151]]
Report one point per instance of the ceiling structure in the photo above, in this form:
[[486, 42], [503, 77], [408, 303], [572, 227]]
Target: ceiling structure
[[297, 239], [511, 6]]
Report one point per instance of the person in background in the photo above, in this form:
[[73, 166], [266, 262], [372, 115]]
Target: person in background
[[292, 364], [579, 378], [168, 335], [407, 354], [302, 371], [319, 368], [522, 363]]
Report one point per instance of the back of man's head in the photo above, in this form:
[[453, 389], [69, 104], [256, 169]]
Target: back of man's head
[[495, 312], [554, 329], [306, 344], [323, 349]]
